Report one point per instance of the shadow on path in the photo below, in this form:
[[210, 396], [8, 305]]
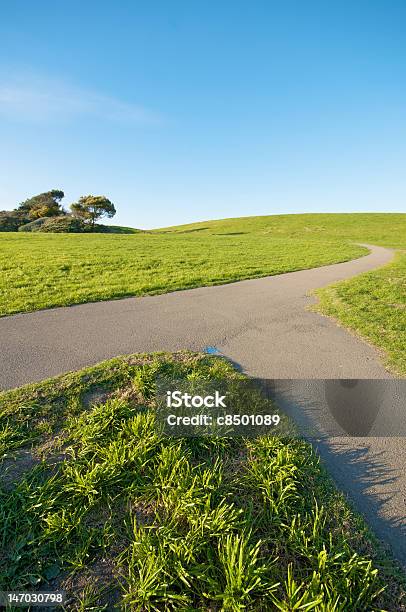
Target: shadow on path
[[362, 467]]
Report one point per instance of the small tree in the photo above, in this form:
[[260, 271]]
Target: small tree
[[91, 208], [45, 204]]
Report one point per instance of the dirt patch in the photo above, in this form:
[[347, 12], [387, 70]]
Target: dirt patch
[[144, 512], [98, 585], [130, 394], [52, 448], [96, 395], [14, 468]]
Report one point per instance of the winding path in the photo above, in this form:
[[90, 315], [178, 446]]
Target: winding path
[[262, 324], [265, 326]]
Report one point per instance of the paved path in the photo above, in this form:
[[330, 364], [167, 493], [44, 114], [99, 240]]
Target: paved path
[[262, 324], [265, 327]]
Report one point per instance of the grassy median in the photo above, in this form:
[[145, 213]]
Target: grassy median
[[94, 500]]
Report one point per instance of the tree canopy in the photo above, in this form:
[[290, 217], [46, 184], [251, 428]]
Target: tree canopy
[[44, 213], [91, 208], [45, 204]]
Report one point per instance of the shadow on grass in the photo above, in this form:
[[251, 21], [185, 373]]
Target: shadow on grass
[[231, 234], [189, 231]]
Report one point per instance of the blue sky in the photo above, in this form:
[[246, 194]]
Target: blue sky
[[183, 111]]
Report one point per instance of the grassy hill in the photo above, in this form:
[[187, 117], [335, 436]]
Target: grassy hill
[[386, 229], [45, 270], [41, 271]]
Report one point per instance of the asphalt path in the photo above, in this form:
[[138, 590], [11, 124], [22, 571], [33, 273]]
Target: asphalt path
[[263, 325]]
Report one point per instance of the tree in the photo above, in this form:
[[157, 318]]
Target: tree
[[45, 204], [91, 208]]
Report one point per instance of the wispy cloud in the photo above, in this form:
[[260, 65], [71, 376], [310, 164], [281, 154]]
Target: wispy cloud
[[38, 99]]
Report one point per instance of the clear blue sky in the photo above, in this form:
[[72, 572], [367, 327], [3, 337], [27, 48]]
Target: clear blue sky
[[183, 111]]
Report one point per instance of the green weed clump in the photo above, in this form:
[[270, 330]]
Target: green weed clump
[[122, 517]]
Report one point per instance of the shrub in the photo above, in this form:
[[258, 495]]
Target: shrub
[[111, 229], [34, 226], [10, 221], [63, 224]]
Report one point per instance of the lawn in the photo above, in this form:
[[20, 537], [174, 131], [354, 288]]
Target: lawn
[[45, 270], [96, 501]]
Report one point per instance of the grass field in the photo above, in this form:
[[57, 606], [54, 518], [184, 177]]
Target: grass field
[[94, 500], [45, 270], [40, 271]]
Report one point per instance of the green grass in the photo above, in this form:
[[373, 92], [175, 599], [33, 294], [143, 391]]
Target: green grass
[[45, 270], [94, 500], [120, 229], [374, 306]]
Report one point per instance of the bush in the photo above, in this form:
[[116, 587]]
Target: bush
[[34, 226], [111, 229], [65, 224], [10, 221]]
